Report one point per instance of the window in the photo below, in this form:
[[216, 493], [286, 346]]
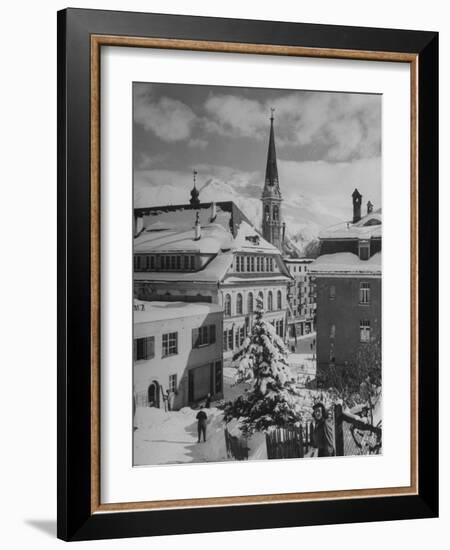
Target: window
[[173, 384], [239, 304], [227, 305], [192, 262], [236, 335], [203, 336], [279, 327], [152, 262], [252, 263], [178, 262], [248, 263], [332, 292], [250, 302], [170, 344], [241, 335], [258, 263], [270, 301], [332, 331], [144, 348], [364, 293], [242, 263], [238, 263], [186, 262], [364, 250], [137, 262], [364, 331], [279, 300], [228, 339], [275, 213]]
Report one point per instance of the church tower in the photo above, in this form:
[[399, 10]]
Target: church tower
[[271, 197]]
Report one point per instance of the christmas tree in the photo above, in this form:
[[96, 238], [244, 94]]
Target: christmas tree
[[272, 400]]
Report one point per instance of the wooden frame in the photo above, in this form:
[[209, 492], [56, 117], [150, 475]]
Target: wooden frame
[[81, 34]]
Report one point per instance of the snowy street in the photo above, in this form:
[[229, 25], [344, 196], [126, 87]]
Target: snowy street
[[171, 437]]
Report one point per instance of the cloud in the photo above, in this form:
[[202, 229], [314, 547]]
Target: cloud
[[341, 126], [198, 143], [169, 119]]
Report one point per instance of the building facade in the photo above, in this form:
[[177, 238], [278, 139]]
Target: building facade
[[210, 254], [177, 353], [349, 290], [302, 299]]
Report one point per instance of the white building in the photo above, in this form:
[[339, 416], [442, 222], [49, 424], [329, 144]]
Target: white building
[[210, 253], [177, 353], [302, 298]]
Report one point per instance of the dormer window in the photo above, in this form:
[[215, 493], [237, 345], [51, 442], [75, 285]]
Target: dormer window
[[364, 249]]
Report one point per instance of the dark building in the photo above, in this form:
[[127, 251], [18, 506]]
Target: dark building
[[348, 286]]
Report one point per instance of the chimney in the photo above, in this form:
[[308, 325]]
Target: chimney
[[284, 232], [213, 211], [197, 228], [369, 208], [357, 198]]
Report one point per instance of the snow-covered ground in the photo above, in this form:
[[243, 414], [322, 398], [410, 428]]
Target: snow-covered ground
[[171, 437]]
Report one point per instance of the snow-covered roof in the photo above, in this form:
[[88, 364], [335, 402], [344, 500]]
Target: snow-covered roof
[[266, 277], [173, 231], [367, 227], [346, 262], [214, 238], [159, 311]]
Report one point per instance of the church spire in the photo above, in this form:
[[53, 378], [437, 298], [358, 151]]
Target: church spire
[[271, 185], [271, 196]]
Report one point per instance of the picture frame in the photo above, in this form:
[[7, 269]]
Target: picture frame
[[81, 36]]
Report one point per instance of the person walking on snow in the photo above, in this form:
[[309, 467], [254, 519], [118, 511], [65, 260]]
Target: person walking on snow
[[201, 425]]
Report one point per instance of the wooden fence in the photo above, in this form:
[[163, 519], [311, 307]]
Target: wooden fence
[[286, 442]]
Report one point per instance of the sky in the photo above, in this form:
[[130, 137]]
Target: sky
[[327, 144]]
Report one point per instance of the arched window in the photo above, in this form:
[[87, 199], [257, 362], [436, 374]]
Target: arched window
[[275, 213], [279, 300], [239, 304], [250, 302], [267, 212], [227, 305], [270, 301]]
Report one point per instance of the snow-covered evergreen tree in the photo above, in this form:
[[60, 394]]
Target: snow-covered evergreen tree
[[272, 400]]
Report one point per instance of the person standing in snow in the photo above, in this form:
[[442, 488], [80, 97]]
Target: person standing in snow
[[201, 425], [208, 401], [322, 434]]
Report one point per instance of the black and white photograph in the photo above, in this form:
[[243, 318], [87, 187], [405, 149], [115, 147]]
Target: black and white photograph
[[257, 274]]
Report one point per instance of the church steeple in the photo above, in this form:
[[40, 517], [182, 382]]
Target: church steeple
[[195, 201], [271, 196], [271, 185]]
